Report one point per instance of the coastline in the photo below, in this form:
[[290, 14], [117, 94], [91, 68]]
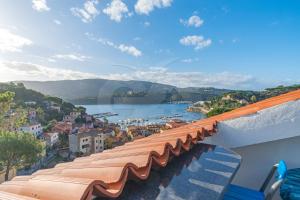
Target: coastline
[[196, 109]]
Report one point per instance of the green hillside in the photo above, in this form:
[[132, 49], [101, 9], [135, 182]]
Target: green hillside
[[27, 98], [232, 100]]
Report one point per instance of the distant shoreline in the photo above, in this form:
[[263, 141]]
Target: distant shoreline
[[93, 104], [197, 110]]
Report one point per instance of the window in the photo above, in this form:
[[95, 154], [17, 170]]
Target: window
[[85, 146]]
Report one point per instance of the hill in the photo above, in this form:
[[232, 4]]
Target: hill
[[102, 91], [235, 99], [48, 107]]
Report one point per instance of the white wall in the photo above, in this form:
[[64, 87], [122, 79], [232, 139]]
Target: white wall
[[36, 129], [271, 124]]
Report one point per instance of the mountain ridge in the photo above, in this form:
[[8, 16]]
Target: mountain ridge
[[104, 91]]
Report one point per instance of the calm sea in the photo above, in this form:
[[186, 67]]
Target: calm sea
[[153, 113]]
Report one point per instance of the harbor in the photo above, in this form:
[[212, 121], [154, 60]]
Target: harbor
[[141, 115]]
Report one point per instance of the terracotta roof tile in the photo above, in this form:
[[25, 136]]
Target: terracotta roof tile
[[105, 174]]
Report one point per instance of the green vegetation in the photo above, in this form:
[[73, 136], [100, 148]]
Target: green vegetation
[[17, 149], [26, 98], [10, 121], [6, 99], [217, 111], [49, 126], [63, 140], [232, 100]]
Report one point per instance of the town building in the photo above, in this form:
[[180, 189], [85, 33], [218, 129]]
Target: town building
[[135, 131], [30, 103], [63, 127], [72, 117], [155, 128], [68, 118], [175, 123], [75, 115], [87, 141], [51, 138], [32, 115], [88, 125], [34, 128]]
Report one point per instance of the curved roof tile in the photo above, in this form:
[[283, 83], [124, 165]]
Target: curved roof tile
[[105, 174]]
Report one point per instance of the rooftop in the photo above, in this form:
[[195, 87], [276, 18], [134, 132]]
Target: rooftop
[[105, 174]]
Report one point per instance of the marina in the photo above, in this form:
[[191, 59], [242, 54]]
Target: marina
[[125, 114]]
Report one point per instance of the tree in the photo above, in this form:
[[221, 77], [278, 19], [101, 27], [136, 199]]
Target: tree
[[49, 126], [18, 150], [6, 99], [253, 99], [217, 111], [80, 109], [63, 140], [13, 119], [40, 115], [108, 143]]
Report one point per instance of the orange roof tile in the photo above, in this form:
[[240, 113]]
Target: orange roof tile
[[105, 174]]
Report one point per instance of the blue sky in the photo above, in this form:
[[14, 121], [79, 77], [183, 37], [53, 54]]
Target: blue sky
[[249, 44]]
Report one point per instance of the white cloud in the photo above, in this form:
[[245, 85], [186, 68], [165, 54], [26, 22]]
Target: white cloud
[[129, 49], [194, 20], [40, 5], [198, 42], [29, 71], [88, 13], [10, 42], [147, 6], [57, 22], [116, 10], [76, 57]]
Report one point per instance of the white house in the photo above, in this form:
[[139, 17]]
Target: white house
[[51, 138], [35, 129]]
